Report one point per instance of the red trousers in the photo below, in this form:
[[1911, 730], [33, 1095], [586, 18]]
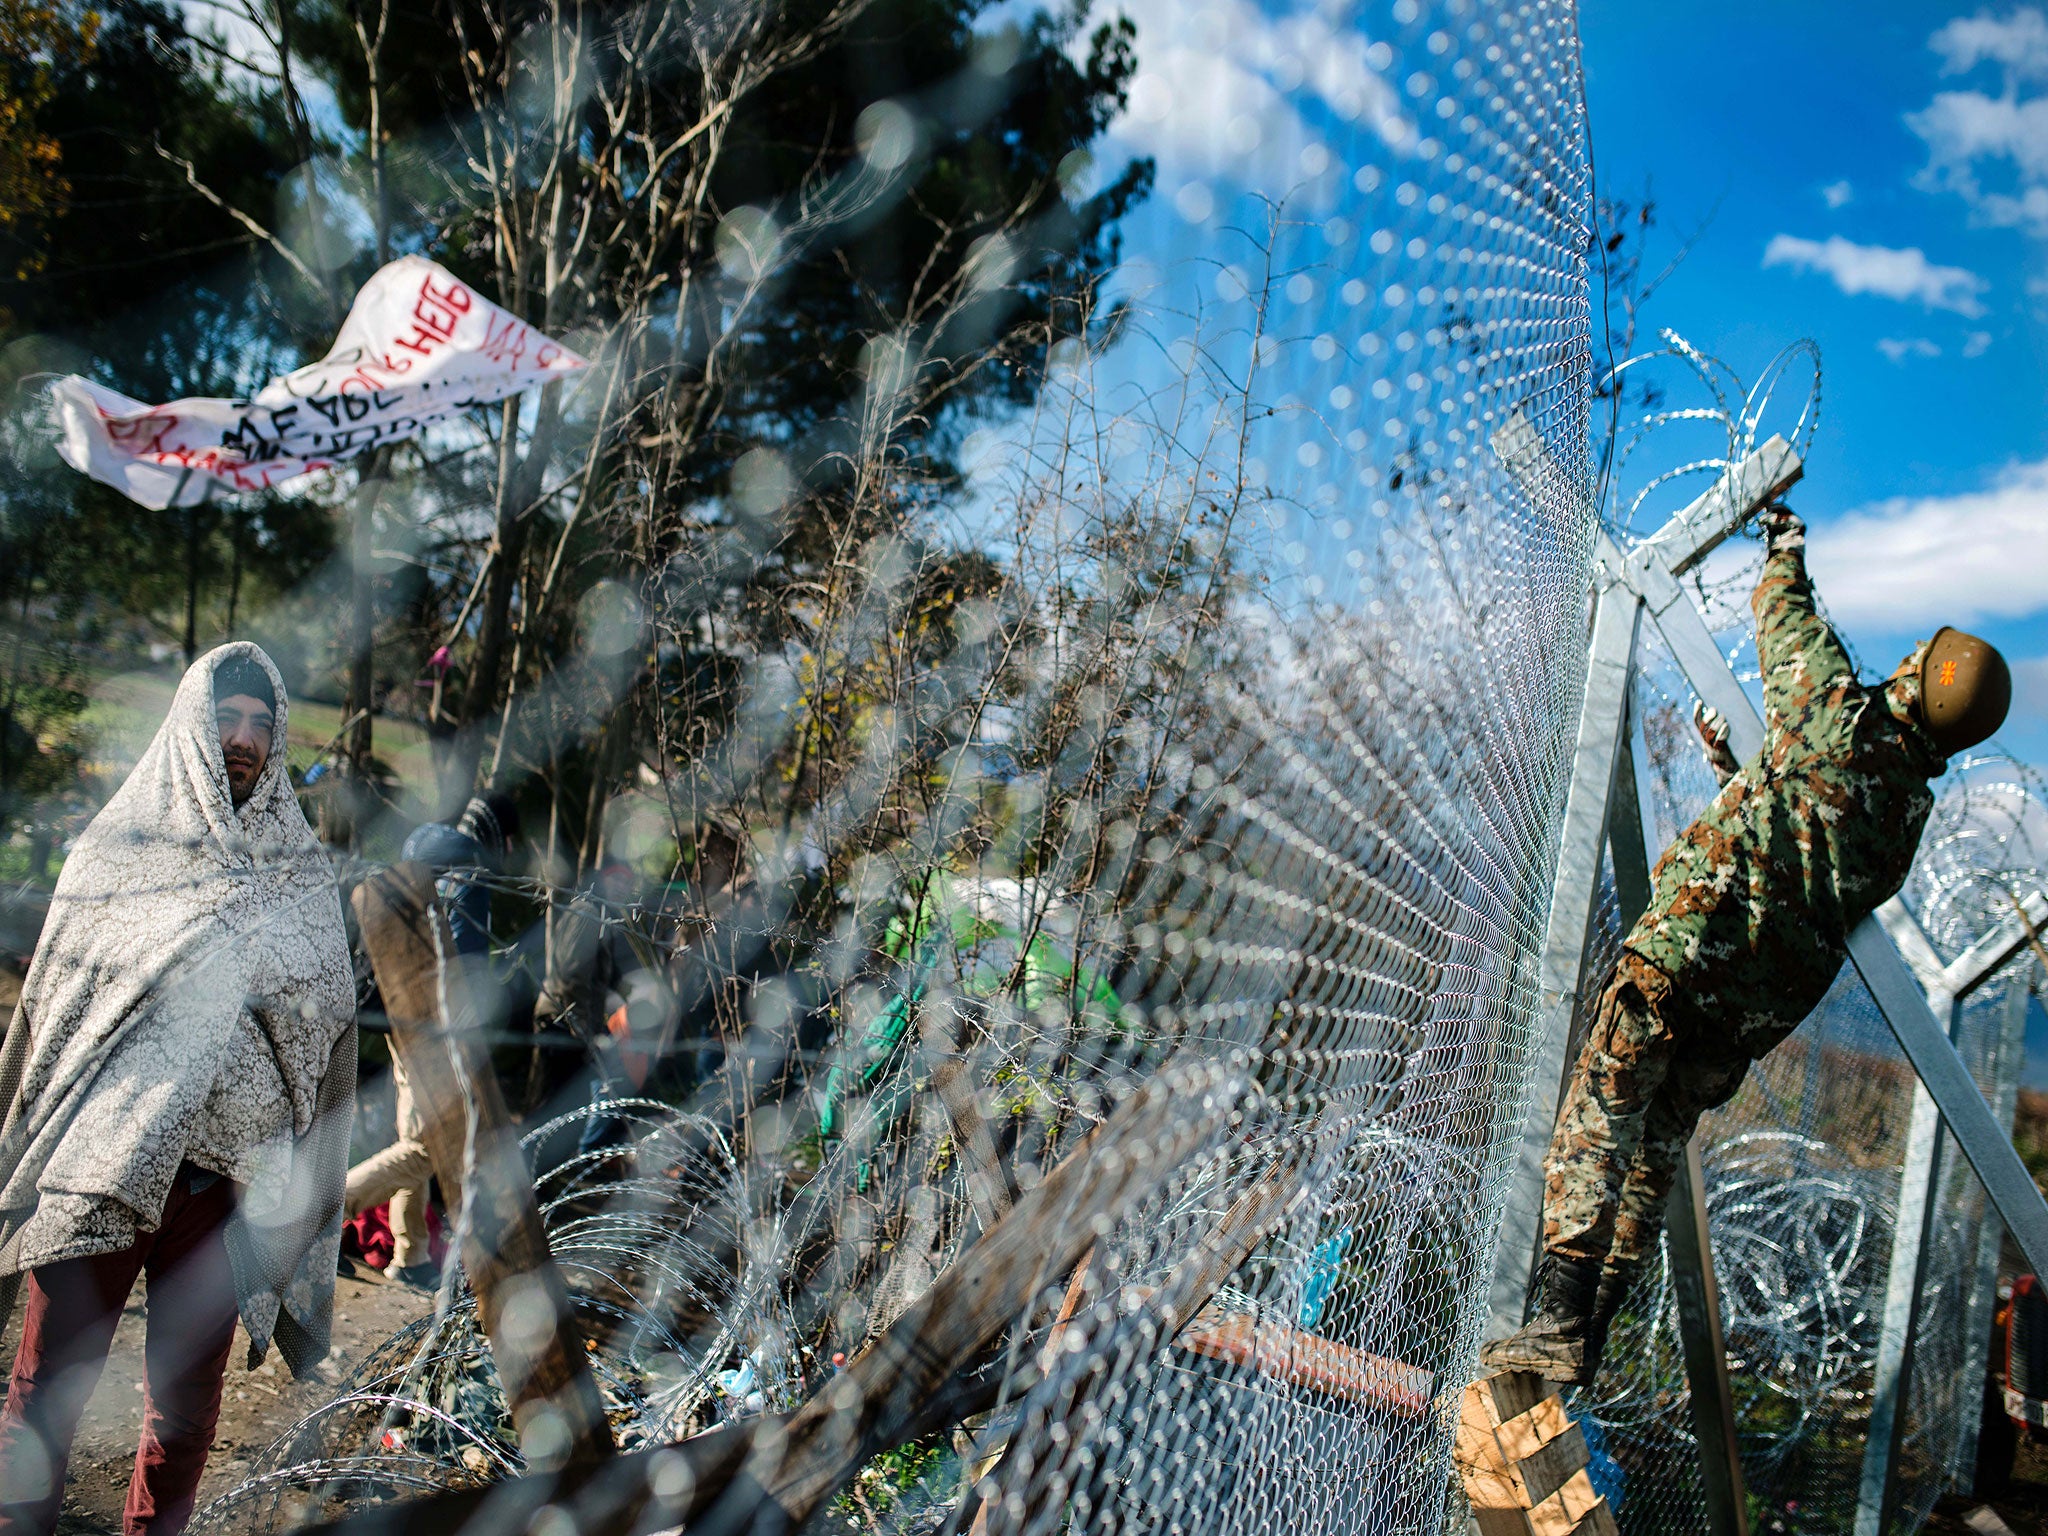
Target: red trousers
[[72, 1309]]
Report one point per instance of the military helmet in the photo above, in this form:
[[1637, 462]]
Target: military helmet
[[1965, 689]]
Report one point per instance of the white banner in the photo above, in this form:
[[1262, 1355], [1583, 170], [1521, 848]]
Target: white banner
[[418, 346]]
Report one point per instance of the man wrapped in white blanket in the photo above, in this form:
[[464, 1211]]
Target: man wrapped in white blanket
[[178, 1084]]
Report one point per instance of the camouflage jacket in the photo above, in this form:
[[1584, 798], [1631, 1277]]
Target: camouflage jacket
[[1752, 905]]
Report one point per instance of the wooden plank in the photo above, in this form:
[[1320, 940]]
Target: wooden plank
[[1501, 1522], [1561, 1512], [1492, 1492], [1476, 1443], [1550, 1468], [1488, 1477], [1509, 1394], [1527, 1433], [1597, 1521], [522, 1301]]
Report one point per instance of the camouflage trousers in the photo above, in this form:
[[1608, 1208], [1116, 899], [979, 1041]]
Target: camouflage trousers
[[1645, 1075]]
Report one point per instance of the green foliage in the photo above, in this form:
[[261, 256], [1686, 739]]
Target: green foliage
[[36, 41], [895, 1475], [179, 271]]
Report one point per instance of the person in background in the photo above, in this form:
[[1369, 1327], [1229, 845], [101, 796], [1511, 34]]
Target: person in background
[[462, 854], [610, 991], [177, 1086]]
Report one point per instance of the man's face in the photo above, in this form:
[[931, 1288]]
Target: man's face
[[245, 725]]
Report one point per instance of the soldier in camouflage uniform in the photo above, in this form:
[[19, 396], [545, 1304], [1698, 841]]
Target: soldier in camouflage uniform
[[1748, 924]]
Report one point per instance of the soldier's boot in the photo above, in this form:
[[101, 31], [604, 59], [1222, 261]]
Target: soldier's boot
[[1558, 1343], [1615, 1284]]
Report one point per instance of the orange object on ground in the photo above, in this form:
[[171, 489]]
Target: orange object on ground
[[1308, 1360]]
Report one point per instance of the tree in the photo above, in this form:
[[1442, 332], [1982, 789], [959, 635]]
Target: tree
[[39, 42], [149, 285], [741, 204]]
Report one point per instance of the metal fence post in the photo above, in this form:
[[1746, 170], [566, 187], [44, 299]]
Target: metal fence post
[[1687, 1244], [1617, 616], [1914, 1226], [1954, 1090], [1945, 987]]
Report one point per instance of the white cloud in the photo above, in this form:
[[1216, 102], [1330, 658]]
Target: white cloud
[[1918, 561], [1837, 194], [2018, 41], [1881, 270], [1213, 97], [1899, 348], [1991, 149], [1976, 344]]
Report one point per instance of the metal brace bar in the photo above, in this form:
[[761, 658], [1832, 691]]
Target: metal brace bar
[[1915, 1226], [1692, 535], [1915, 948], [1954, 1090], [1632, 826], [1977, 964], [1946, 1087], [1698, 657]]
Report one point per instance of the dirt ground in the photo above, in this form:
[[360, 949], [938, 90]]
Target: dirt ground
[[256, 1407], [2023, 1506]]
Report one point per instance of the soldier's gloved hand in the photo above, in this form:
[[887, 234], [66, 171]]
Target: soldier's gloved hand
[[1713, 727], [1782, 528], [1714, 731]]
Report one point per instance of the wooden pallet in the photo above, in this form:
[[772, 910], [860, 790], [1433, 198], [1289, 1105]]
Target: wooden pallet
[[1524, 1462]]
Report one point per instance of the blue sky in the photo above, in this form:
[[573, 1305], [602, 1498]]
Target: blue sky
[[1874, 177]]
